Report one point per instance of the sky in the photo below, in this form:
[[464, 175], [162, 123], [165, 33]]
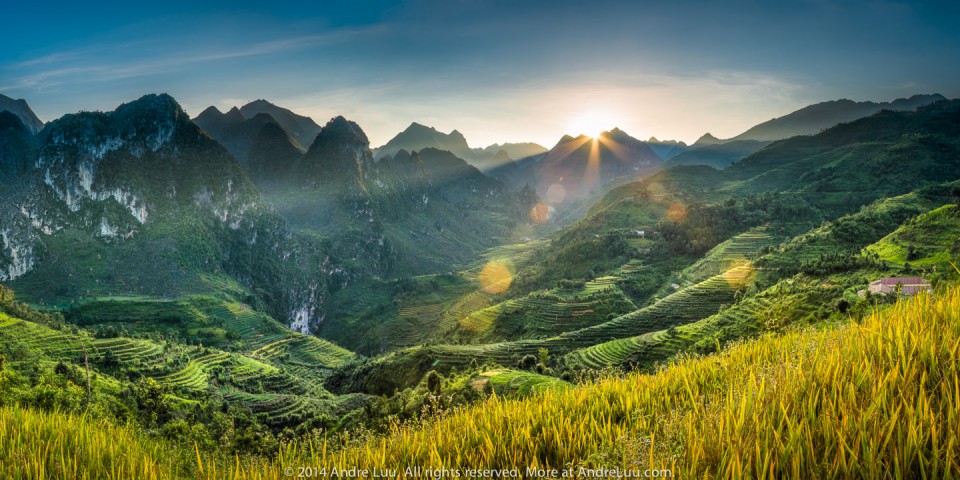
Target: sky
[[497, 71]]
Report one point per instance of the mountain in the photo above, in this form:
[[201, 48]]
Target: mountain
[[301, 129], [705, 140], [240, 130], [814, 118], [22, 111], [576, 166], [338, 158], [17, 149], [406, 213], [512, 151], [139, 201], [717, 155], [235, 131], [216, 123], [417, 137], [272, 156], [667, 149]]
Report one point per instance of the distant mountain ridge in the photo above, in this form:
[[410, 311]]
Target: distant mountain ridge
[[417, 137], [22, 110], [814, 118], [712, 151], [576, 166], [239, 128], [301, 128], [667, 149]]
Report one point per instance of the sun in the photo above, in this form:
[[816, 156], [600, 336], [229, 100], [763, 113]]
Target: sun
[[591, 123]]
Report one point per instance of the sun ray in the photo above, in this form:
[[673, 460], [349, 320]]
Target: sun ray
[[592, 175]]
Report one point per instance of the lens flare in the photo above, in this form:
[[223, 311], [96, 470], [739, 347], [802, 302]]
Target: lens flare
[[496, 277], [556, 193], [656, 190], [540, 213], [676, 212], [739, 273]]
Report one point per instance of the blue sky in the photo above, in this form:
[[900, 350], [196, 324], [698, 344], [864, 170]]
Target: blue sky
[[495, 70]]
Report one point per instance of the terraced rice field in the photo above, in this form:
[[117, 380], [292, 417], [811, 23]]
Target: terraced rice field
[[600, 284], [256, 329], [661, 345], [682, 307], [413, 324], [306, 357], [305, 348], [194, 376], [515, 254], [246, 369], [738, 250], [464, 307], [535, 316], [273, 408], [143, 353], [481, 321], [41, 338]]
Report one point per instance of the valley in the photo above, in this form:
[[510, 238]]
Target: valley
[[252, 283]]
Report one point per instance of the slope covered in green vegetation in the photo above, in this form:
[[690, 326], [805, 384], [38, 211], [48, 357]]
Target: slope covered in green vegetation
[[870, 399]]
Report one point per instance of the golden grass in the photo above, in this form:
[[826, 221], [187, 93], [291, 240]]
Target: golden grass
[[41, 445]]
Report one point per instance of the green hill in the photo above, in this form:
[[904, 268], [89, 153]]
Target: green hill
[[769, 408], [133, 365], [932, 238], [873, 396]]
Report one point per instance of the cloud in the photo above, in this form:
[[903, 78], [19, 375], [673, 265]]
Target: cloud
[[105, 63]]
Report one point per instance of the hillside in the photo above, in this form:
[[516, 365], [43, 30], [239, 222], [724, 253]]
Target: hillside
[[802, 378], [406, 214], [705, 256], [799, 378], [201, 350], [932, 238], [140, 202]]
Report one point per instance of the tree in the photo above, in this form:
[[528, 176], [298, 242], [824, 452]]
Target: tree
[[528, 362], [544, 355], [433, 382], [151, 398]]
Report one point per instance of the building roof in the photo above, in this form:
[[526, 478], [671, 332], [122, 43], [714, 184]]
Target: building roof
[[893, 281]]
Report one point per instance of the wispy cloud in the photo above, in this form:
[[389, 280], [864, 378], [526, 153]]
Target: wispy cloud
[[108, 63]]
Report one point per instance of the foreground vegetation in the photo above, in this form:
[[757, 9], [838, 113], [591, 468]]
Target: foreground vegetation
[[874, 399]]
